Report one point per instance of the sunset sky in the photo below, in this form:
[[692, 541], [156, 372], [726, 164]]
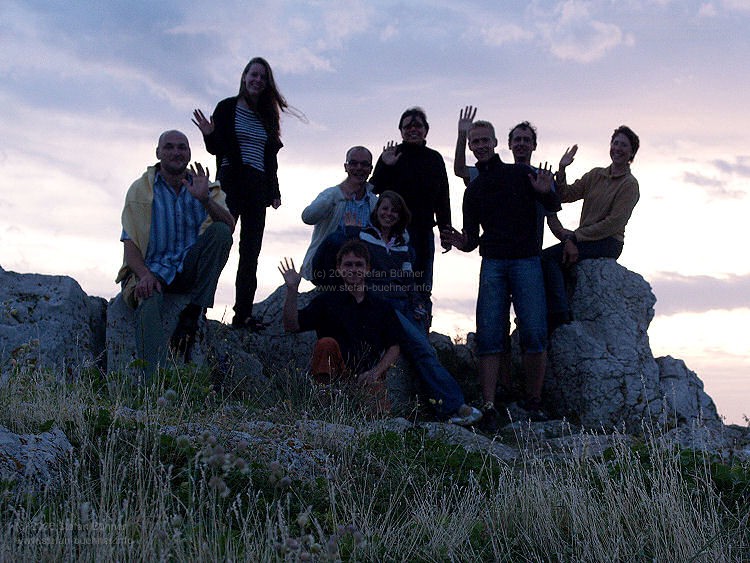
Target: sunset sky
[[87, 87]]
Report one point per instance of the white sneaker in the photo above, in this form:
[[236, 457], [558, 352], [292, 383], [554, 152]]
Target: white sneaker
[[468, 419]]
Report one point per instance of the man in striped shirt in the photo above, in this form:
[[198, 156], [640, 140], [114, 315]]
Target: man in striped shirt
[[176, 233]]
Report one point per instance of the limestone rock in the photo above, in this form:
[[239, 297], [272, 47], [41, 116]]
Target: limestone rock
[[685, 401], [120, 330], [33, 461], [49, 321], [601, 371]]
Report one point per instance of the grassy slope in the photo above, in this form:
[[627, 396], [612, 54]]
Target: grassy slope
[[133, 491]]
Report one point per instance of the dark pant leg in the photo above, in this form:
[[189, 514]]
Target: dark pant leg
[[423, 243], [203, 265], [555, 272], [554, 281], [247, 203]]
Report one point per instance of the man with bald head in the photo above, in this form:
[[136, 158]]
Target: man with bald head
[[176, 234]]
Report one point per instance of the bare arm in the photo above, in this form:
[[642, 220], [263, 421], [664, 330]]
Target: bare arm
[[556, 227], [292, 279], [147, 281], [379, 370]]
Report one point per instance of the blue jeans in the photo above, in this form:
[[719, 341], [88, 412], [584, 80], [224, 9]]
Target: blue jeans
[[417, 348], [502, 281], [554, 276]]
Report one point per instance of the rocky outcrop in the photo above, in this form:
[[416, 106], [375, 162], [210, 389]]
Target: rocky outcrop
[[49, 321], [601, 369]]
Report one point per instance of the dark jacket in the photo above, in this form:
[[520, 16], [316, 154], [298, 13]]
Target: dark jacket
[[503, 202], [419, 176], [223, 143]]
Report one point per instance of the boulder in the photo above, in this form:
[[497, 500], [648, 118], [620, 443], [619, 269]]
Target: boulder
[[33, 462], [685, 401], [49, 321], [120, 331], [601, 371]]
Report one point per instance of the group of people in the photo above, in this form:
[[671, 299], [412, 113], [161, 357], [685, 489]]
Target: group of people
[[373, 243]]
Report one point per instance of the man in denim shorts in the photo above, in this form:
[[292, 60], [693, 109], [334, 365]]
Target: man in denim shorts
[[502, 200]]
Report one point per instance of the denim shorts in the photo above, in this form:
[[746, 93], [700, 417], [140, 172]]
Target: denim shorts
[[502, 281]]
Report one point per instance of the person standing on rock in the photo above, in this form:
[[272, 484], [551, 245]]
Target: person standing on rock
[[244, 133], [176, 234], [357, 332], [338, 214], [417, 173], [609, 196], [502, 201]]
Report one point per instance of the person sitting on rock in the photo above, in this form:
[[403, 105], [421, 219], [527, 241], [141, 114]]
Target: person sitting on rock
[[609, 196], [176, 234], [502, 200], [394, 281], [357, 332], [338, 214]]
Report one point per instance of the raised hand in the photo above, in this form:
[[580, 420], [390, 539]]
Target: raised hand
[[568, 157], [199, 186], [205, 125], [292, 278], [389, 155], [543, 181], [466, 118]]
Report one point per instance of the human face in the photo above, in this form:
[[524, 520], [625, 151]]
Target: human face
[[413, 130], [256, 80], [173, 152], [521, 145], [620, 150], [353, 269], [359, 165], [387, 214], [482, 143]]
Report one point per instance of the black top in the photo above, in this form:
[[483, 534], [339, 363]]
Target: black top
[[223, 143], [503, 201], [419, 177], [364, 331]]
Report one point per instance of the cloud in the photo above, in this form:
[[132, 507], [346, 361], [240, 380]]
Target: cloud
[[676, 293], [579, 37], [501, 33], [737, 5], [707, 10], [716, 186], [740, 167]]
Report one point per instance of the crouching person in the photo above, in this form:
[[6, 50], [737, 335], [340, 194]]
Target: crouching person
[[176, 233], [357, 333]]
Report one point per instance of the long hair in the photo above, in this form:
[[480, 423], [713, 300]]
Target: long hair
[[270, 102], [404, 215]]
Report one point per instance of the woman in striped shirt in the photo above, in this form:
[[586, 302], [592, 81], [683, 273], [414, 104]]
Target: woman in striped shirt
[[244, 134]]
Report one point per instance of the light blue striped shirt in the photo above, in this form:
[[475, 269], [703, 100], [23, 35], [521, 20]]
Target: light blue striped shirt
[[176, 220]]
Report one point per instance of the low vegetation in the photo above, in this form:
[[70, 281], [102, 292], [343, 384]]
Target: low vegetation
[[155, 474]]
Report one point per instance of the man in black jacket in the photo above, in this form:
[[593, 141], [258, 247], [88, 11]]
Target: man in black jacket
[[502, 200]]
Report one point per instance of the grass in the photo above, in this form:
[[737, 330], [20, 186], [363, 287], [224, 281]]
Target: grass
[[171, 472]]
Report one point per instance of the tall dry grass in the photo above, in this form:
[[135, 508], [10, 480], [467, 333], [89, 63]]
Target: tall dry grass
[[130, 491]]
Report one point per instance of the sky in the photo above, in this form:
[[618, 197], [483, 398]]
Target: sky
[[86, 87]]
